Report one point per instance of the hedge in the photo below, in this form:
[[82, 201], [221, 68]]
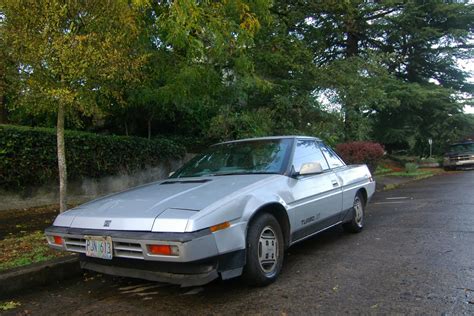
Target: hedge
[[28, 155], [361, 152]]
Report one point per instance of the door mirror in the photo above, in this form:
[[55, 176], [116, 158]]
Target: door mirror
[[310, 168], [170, 174]]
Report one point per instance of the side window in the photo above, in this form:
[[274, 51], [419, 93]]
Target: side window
[[332, 157], [308, 151]]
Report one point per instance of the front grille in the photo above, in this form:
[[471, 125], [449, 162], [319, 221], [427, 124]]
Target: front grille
[[121, 249], [75, 244], [128, 250]]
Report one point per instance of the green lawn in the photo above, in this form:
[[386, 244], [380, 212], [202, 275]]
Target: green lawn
[[21, 250], [414, 174]]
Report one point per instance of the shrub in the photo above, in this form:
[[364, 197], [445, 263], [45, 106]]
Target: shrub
[[28, 155], [411, 167], [361, 152]]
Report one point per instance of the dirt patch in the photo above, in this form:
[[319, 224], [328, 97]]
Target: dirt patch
[[22, 240], [394, 166], [24, 221]]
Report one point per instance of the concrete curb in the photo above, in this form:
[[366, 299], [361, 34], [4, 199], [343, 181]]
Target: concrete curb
[[384, 183], [41, 273]]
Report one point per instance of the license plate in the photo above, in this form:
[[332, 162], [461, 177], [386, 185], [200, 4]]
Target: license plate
[[99, 247]]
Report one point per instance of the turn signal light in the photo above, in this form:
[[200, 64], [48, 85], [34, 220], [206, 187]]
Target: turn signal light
[[164, 250], [58, 240], [220, 226]]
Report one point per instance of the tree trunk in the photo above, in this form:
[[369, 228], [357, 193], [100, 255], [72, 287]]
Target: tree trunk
[[126, 128], [61, 160]]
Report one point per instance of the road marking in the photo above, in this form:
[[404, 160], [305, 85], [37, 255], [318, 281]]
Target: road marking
[[398, 198]]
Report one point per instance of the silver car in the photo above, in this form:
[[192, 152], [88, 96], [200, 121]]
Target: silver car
[[230, 211]]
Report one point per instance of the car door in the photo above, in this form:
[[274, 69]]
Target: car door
[[317, 200], [337, 166]]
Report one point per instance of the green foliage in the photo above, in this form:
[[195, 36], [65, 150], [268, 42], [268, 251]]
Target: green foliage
[[28, 155], [341, 70], [229, 125], [416, 174], [24, 249], [380, 170], [67, 52], [6, 306], [411, 167]]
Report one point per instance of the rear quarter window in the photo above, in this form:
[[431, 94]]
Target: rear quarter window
[[332, 158]]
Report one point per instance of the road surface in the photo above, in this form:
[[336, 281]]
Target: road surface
[[415, 256]]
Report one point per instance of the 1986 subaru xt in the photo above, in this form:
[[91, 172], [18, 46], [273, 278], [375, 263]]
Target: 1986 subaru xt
[[230, 211]]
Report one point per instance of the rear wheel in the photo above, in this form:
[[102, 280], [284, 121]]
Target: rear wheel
[[357, 222], [265, 250]]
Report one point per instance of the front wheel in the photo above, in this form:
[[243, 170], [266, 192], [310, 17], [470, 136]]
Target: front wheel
[[265, 250], [357, 222]]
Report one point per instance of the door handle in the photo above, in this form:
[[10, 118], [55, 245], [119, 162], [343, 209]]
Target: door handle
[[335, 183]]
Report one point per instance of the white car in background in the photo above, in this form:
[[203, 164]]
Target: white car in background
[[230, 211]]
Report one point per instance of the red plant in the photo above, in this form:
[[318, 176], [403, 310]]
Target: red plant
[[368, 153]]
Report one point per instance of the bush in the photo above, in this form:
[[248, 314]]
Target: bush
[[28, 155], [411, 167], [361, 152]]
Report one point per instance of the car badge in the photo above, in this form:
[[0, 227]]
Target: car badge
[[107, 223]]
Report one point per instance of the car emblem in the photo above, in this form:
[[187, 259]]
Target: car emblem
[[107, 223]]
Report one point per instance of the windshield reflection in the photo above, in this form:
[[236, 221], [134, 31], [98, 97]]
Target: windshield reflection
[[248, 157]]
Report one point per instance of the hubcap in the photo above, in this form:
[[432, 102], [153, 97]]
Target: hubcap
[[268, 250], [359, 212]]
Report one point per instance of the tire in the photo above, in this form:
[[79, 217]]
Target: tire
[[265, 251], [357, 222]]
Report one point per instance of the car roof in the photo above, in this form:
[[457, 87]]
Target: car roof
[[268, 138]]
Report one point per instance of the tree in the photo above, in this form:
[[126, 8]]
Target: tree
[[64, 52]]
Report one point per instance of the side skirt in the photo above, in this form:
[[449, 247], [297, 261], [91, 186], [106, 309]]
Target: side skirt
[[319, 227]]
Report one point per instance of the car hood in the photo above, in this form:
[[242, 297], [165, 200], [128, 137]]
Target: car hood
[[136, 209]]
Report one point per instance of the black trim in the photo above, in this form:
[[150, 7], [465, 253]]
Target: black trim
[[231, 260], [181, 237], [288, 161], [228, 261], [315, 227], [184, 273]]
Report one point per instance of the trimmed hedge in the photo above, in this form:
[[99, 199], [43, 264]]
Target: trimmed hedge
[[368, 153], [28, 155]]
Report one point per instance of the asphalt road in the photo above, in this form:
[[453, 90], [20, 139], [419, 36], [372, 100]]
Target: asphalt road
[[415, 256]]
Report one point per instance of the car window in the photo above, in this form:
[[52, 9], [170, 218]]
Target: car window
[[245, 157], [307, 151], [332, 158]]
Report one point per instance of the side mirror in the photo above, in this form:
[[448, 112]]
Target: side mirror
[[310, 168], [170, 174]]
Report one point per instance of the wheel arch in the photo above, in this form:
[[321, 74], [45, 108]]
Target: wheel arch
[[279, 212], [364, 194]]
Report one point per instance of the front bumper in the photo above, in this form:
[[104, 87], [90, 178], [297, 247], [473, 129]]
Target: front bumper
[[198, 260], [133, 244], [465, 161]]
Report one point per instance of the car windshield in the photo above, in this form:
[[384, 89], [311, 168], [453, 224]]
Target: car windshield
[[247, 157], [462, 148]]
